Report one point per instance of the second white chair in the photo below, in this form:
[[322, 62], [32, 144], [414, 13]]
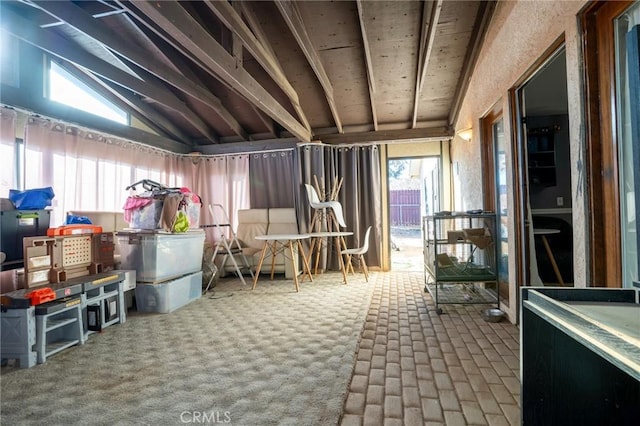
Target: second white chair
[[359, 252]]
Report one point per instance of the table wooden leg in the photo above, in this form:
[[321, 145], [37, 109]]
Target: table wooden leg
[[305, 266], [314, 247], [340, 243], [274, 251], [318, 252], [552, 259], [295, 275], [264, 252]]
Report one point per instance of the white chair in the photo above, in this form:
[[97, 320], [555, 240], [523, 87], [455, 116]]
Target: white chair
[[360, 252], [335, 210]]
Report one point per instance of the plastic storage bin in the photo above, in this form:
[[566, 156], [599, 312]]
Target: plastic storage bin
[[147, 217], [17, 224], [158, 257], [168, 296], [193, 214]]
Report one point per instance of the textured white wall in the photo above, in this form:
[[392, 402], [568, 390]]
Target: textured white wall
[[519, 34]]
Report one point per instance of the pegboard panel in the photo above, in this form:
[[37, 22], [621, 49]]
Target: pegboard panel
[[76, 251]]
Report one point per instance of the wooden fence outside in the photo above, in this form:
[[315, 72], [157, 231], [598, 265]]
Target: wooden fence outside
[[404, 206]]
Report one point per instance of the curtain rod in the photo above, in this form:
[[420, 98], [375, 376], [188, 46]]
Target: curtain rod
[[198, 154], [32, 115], [338, 145], [376, 143], [190, 155]]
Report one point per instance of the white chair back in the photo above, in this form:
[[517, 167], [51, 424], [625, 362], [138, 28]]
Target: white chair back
[[312, 195], [365, 246]]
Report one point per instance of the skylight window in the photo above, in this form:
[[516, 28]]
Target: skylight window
[[66, 89]]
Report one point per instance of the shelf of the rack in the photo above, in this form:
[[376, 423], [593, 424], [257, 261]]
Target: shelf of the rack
[[465, 293], [55, 347], [462, 273], [52, 324]]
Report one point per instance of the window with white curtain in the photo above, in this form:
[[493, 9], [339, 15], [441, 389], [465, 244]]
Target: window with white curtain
[[88, 171], [7, 172], [91, 171], [7, 152]]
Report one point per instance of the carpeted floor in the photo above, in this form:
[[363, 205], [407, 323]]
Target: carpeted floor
[[240, 357]]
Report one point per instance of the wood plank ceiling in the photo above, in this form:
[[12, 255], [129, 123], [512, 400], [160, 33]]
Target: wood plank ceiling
[[217, 72]]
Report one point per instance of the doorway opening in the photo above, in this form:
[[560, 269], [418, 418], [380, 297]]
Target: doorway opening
[[546, 166], [414, 192]]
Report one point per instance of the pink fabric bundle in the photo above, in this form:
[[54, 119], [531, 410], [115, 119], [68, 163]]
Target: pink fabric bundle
[[134, 203]]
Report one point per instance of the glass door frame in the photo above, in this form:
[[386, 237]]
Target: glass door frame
[[602, 171], [627, 81], [490, 184]]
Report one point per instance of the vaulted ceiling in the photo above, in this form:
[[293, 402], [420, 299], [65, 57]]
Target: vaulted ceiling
[[205, 73]]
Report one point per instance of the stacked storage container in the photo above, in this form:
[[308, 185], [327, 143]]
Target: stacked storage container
[[168, 267]]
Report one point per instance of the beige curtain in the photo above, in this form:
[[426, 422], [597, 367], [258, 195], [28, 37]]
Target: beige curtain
[[7, 151], [221, 180]]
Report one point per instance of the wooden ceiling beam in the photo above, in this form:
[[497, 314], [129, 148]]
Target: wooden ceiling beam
[[431, 37], [291, 15], [369, 64], [76, 17], [233, 21], [236, 42], [184, 33], [485, 12], [179, 62], [419, 134], [264, 119], [97, 9], [427, 37], [175, 58], [195, 120], [262, 38], [50, 42], [127, 100]]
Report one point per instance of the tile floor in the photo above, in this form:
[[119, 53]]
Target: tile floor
[[415, 367]]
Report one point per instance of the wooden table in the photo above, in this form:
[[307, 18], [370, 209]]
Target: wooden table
[[316, 244], [543, 232], [278, 243]]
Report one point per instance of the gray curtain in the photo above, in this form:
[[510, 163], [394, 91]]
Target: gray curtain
[[272, 176], [360, 193]]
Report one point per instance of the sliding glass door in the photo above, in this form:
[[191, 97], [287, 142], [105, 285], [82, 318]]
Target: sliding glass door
[[627, 79], [499, 144], [495, 183]]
